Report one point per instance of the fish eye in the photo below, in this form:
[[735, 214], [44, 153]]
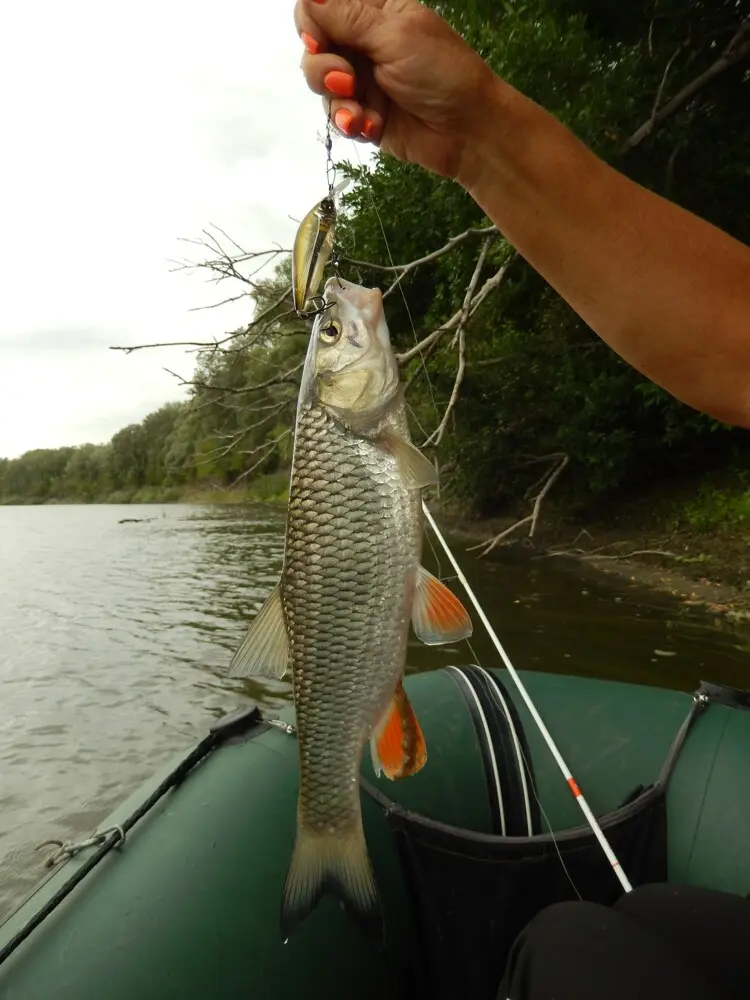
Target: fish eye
[[330, 334]]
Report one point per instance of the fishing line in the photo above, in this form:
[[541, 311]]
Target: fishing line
[[572, 784], [400, 282]]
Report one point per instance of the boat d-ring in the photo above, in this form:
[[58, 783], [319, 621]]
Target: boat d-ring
[[67, 851]]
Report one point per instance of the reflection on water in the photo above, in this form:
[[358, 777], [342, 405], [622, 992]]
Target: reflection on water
[[115, 640]]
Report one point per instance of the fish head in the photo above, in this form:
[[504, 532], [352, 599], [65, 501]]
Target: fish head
[[350, 365]]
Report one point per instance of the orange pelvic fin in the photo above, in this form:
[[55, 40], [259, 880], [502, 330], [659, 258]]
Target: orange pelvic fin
[[397, 744], [437, 615]]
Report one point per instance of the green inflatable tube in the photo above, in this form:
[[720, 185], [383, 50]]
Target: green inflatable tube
[[188, 906]]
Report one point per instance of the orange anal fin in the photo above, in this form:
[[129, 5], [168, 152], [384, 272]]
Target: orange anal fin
[[437, 614], [397, 744]]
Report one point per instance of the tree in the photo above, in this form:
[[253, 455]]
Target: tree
[[500, 372]]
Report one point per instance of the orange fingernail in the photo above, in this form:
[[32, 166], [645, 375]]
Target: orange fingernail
[[339, 83], [343, 119], [310, 44], [369, 128]]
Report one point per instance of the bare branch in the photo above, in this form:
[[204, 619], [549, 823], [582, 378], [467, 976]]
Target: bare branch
[[499, 538], [285, 377], [550, 478], [635, 552], [489, 286], [662, 84], [737, 49], [402, 269], [223, 302], [437, 435], [168, 343], [266, 449], [238, 436], [264, 316]]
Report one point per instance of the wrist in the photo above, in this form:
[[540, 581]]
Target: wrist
[[495, 116], [525, 169]]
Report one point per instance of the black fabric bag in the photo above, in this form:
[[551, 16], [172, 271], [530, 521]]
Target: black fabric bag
[[473, 893]]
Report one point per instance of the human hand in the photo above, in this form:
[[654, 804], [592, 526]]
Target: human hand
[[397, 75]]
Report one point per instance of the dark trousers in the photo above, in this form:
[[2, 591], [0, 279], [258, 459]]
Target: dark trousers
[[661, 941]]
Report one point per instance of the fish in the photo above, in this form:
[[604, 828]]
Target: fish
[[351, 583], [313, 246]]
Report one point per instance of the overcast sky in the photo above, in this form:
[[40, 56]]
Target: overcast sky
[[123, 129]]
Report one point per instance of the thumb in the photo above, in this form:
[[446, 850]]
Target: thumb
[[356, 24]]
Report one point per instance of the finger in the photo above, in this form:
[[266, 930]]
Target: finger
[[374, 126], [312, 35], [330, 74], [356, 121], [348, 117], [355, 23], [374, 101]]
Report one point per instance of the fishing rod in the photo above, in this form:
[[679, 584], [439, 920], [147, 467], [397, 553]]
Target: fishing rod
[[567, 774]]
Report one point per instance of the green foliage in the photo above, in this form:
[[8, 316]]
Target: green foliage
[[537, 381], [718, 508]]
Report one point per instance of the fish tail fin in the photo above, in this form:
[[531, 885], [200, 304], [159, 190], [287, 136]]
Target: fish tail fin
[[336, 864]]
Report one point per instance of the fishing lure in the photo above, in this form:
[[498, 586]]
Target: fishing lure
[[313, 246]]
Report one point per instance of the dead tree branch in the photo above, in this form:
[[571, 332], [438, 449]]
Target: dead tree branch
[[628, 555], [284, 377], [737, 49], [489, 286], [437, 435], [266, 449], [270, 311], [401, 269], [560, 461]]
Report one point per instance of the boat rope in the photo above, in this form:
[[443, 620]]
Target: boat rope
[[233, 725], [65, 851], [287, 727], [572, 783]]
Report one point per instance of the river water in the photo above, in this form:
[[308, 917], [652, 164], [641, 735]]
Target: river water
[[115, 639]]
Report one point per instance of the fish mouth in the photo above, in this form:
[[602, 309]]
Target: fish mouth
[[360, 310], [366, 300], [364, 303]]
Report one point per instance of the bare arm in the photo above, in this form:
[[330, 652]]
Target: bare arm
[[666, 290]]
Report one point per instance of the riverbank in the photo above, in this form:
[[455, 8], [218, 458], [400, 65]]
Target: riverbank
[[272, 488], [691, 540]]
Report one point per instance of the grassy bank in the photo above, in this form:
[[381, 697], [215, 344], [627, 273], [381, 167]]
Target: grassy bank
[[268, 489]]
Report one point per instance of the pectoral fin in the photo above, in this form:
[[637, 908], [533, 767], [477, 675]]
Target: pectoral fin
[[265, 649], [397, 743], [416, 470], [437, 614]]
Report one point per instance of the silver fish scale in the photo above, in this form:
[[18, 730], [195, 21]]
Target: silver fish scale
[[354, 536]]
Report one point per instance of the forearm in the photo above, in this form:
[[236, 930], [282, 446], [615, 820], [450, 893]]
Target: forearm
[[666, 290]]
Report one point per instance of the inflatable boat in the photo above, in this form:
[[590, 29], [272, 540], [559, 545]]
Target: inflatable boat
[[177, 895]]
